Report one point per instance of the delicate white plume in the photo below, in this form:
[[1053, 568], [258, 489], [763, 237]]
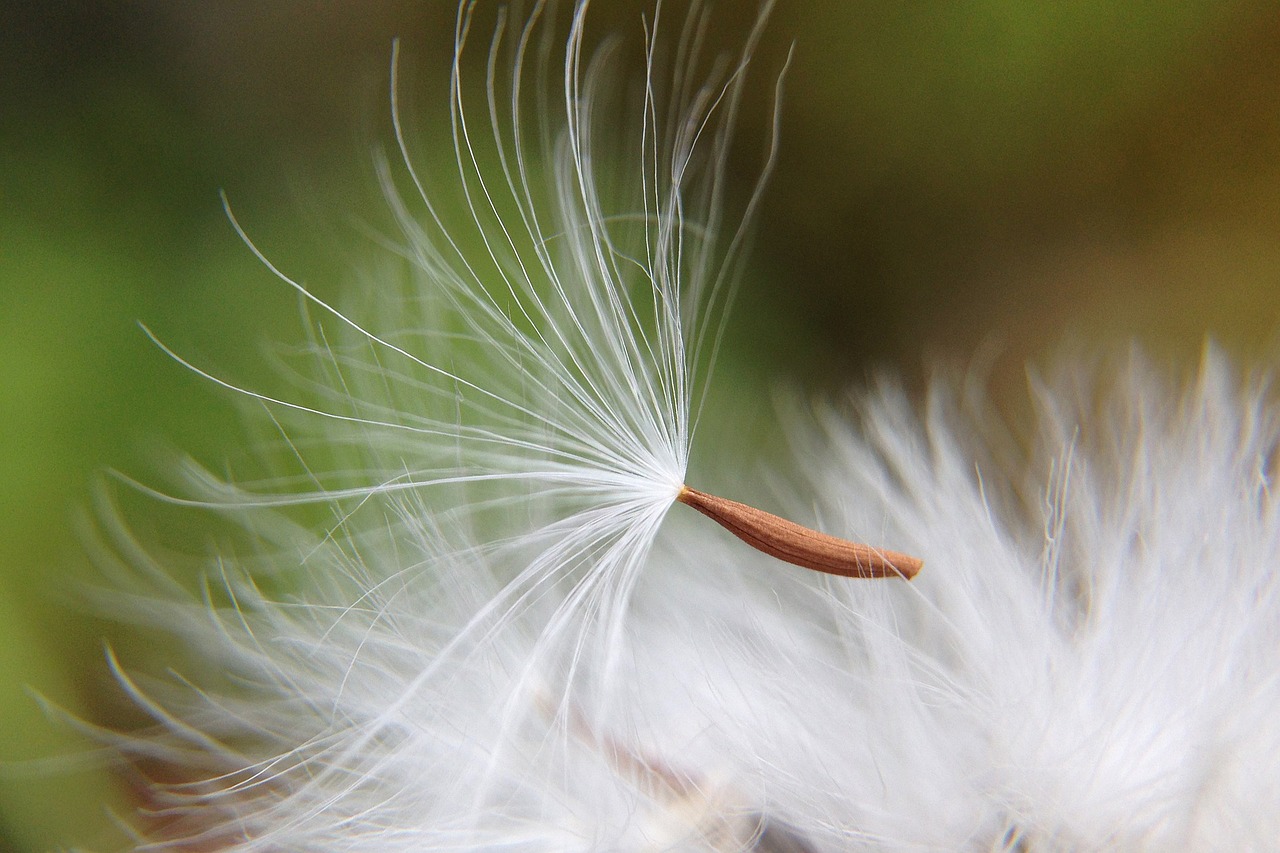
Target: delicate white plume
[[496, 647]]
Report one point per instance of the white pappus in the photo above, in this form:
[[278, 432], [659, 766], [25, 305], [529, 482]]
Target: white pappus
[[501, 642]]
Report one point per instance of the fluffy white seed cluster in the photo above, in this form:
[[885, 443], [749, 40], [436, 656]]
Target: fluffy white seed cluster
[[502, 642]]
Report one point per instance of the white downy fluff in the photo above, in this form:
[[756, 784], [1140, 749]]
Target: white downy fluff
[[502, 644]]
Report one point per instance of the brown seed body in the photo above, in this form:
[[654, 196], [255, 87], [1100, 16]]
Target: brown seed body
[[799, 545]]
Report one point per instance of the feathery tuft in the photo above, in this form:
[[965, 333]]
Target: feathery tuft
[[498, 648]]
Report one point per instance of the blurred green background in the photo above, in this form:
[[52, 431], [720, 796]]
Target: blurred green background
[[954, 178]]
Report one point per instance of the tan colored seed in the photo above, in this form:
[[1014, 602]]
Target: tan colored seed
[[799, 545]]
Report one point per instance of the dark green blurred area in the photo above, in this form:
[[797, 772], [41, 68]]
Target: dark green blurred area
[[952, 176]]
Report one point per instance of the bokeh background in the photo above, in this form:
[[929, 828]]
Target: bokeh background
[[980, 182]]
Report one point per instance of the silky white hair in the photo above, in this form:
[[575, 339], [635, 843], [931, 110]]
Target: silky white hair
[[501, 641]]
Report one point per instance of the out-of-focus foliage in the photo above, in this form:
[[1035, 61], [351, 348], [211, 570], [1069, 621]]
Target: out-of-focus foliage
[[996, 171], [951, 175]]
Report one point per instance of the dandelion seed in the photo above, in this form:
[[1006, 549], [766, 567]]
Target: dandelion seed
[[799, 545], [497, 646]]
